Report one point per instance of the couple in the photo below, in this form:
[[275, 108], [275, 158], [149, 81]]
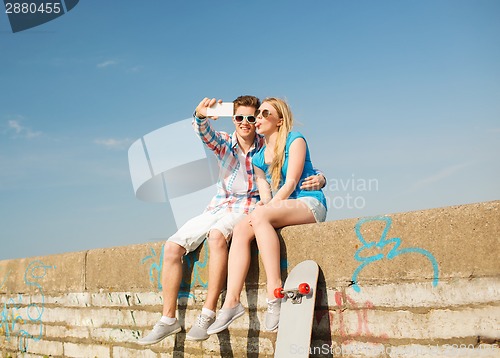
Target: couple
[[266, 181]]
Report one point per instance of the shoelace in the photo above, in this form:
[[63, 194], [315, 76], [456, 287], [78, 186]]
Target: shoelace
[[203, 320], [271, 306]]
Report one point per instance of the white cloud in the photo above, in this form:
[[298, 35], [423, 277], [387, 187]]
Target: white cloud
[[15, 125], [113, 143], [20, 130], [134, 69], [106, 64]]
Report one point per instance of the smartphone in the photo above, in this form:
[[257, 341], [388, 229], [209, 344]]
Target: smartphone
[[224, 109]]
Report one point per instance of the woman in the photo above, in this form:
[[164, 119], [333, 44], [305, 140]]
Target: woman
[[280, 167]]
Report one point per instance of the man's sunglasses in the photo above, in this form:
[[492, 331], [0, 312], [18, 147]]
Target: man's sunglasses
[[265, 113], [239, 119]]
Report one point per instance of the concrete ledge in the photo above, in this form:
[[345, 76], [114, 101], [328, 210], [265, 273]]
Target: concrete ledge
[[67, 273], [464, 240], [404, 281]]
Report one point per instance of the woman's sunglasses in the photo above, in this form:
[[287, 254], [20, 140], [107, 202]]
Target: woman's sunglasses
[[265, 113], [239, 119]]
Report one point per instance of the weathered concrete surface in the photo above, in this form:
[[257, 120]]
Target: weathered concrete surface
[[118, 268], [425, 281], [465, 240], [21, 275]]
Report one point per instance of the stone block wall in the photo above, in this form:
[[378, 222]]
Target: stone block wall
[[424, 283]]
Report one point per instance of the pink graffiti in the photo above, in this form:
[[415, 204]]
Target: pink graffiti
[[363, 324]]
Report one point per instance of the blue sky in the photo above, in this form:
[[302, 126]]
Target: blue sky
[[399, 101]]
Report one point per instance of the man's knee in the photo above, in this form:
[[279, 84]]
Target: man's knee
[[173, 252], [216, 240]]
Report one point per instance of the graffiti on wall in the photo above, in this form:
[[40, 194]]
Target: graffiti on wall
[[199, 269], [362, 324], [393, 243], [15, 312], [155, 266], [361, 309], [195, 270]]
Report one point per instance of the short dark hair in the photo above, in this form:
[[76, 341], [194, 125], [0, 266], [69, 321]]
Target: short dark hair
[[247, 101]]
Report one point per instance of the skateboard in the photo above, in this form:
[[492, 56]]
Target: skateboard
[[297, 310]]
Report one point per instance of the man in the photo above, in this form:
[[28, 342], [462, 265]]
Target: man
[[236, 196]]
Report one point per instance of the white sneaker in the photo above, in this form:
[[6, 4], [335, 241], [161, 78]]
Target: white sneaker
[[199, 331], [225, 317], [159, 332], [273, 314]]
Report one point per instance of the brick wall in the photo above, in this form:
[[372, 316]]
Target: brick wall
[[414, 284]]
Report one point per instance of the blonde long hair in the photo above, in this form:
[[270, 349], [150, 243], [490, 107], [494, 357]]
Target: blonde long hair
[[286, 116]]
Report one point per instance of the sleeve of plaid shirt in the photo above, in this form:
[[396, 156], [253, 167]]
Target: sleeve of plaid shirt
[[218, 142]]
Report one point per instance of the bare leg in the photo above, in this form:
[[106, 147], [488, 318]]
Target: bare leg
[[264, 220], [217, 268], [171, 276], [239, 262]]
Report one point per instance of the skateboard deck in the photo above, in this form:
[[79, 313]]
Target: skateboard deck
[[297, 311]]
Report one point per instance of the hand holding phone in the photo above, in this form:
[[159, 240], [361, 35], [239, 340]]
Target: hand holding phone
[[224, 109]]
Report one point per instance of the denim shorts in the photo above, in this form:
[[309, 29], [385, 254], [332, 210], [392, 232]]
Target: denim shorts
[[316, 207]]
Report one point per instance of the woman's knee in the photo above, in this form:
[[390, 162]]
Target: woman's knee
[[243, 232], [258, 216]]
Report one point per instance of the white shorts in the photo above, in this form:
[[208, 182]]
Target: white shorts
[[316, 207], [196, 230]]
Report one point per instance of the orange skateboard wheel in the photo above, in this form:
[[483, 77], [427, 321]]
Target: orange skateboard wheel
[[304, 289], [278, 292]]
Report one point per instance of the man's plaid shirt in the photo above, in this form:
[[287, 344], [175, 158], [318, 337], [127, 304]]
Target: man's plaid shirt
[[225, 146]]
